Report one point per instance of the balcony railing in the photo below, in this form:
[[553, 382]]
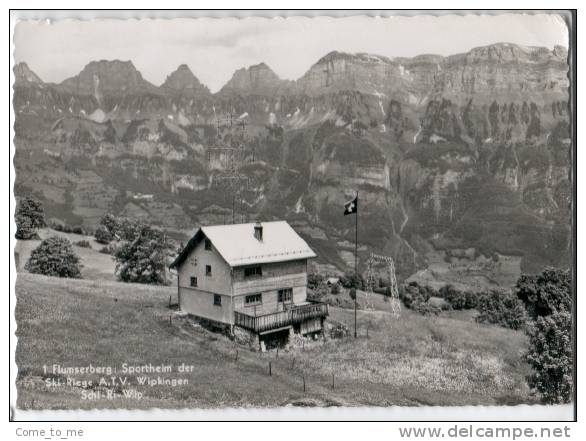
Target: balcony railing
[[293, 314]]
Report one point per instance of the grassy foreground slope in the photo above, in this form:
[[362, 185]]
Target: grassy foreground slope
[[411, 360]]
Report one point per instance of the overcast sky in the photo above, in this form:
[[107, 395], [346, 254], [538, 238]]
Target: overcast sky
[[215, 48]]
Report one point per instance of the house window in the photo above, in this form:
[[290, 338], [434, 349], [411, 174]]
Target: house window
[[253, 271], [285, 295], [217, 300], [208, 270], [208, 244], [193, 281], [254, 299]]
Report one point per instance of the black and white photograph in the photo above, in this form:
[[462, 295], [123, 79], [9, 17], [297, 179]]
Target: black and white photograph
[[297, 212]]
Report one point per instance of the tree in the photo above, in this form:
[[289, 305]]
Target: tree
[[29, 217], [455, 297], [546, 292], [54, 257], [548, 299], [144, 258], [110, 222], [103, 235], [501, 308], [550, 356], [412, 295]]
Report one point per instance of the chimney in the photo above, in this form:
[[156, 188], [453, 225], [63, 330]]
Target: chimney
[[258, 231]]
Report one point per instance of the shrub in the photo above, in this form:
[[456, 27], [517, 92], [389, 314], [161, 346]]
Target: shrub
[[550, 356], [29, 217], [313, 280], [335, 289], [413, 293], [108, 249], [318, 293], [471, 300], [339, 330], [425, 308], [546, 292], [351, 280], [83, 244], [103, 235], [501, 308], [76, 229], [455, 297], [54, 257]]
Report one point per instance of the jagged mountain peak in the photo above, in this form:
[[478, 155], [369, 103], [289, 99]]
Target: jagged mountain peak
[[23, 74], [258, 79], [108, 76], [183, 79]]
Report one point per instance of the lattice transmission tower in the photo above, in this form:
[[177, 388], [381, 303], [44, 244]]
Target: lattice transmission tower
[[374, 261], [227, 156]]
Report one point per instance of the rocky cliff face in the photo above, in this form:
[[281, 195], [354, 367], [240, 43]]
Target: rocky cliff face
[[23, 75], [255, 80], [107, 77], [467, 152]]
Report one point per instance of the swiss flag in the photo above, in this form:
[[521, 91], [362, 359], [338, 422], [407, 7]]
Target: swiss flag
[[351, 207]]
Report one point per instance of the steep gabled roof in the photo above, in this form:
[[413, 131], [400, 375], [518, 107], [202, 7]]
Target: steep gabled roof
[[238, 246]]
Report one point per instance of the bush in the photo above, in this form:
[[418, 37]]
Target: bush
[[317, 294], [339, 330], [29, 217], [351, 280], [83, 244], [103, 235], [57, 226], [314, 280], [501, 308], [426, 308], [108, 249], [550, 356], [457, 299], [335, 289], [546, 292], [54, 257], [413, 293]]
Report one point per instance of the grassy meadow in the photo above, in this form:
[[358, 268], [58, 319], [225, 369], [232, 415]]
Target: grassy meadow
[[410, 360]]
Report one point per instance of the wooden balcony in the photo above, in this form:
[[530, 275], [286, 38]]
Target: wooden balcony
[[292, 314]]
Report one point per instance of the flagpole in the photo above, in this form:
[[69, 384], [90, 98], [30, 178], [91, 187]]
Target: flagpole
[[356, 266]]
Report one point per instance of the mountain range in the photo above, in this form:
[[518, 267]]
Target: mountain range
[[462, 163]]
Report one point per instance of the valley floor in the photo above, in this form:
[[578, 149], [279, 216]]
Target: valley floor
[[411, 360]]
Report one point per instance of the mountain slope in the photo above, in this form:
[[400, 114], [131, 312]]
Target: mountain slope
[[182, 80], [465, 155]]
